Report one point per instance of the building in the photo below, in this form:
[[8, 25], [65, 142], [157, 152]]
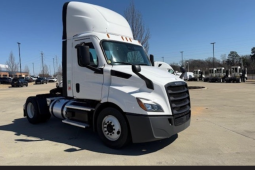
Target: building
[[4, 72]]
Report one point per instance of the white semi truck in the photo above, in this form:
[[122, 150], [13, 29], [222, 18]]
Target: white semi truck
[[197, 75], [166, 67], [109, 83], [212, 73], [237, 75], [221, 74]]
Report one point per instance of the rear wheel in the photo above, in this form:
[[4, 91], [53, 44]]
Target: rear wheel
[[112, 128], [32, 110]]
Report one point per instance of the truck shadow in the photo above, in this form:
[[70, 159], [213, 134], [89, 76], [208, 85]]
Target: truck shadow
[[79, 139]]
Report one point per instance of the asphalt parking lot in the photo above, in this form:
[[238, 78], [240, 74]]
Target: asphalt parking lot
[[222, 132]]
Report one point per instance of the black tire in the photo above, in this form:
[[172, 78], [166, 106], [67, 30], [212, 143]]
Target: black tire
[[32, 111], [114, 132], [56, 91]]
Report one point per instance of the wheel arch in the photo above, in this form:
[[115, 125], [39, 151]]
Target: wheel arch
[[102, 106]]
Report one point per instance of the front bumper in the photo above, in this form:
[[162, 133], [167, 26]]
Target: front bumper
[[152, 128]]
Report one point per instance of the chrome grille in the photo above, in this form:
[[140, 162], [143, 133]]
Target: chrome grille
[[178, 97]]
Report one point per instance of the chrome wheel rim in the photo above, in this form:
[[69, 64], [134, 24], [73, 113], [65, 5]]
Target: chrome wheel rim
[[111, 128], [30, 110]]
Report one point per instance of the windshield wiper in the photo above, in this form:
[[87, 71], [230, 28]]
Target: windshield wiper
[[123, 63], [142, 64]]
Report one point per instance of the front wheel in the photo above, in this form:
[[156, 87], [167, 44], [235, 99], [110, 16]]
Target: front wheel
[[112, 128]]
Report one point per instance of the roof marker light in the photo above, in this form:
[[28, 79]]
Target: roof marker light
[[122, 38], [108, 35], [126, 38], [130, 39]]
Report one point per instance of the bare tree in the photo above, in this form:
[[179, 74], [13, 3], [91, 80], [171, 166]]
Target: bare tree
[[135, 21], [45, 71], [26, 69], [59, 71], [12, 65]]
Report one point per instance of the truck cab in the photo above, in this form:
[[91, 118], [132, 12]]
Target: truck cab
[[211, 75], [109, 83], [237, 74], [197, 75], [220, 75]]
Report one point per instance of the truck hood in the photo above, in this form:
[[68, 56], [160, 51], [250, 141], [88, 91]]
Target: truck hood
[[157, 76]]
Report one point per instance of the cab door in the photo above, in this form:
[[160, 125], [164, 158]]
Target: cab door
[[87, 82]]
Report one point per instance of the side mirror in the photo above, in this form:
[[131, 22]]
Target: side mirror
[[152, 59], [136, 68], [83, 55], [182, 69], [183, 72]]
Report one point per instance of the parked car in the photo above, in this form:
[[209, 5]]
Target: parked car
[[18, 82], [52, 79], [41, 80], [34, 77], [29, 79], [5, 80]]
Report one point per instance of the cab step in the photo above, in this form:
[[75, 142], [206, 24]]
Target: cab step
[[75, 123]]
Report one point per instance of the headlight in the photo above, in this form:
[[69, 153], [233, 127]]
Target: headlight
[[148, 105]]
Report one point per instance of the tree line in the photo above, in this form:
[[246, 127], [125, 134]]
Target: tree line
[[233, 59]]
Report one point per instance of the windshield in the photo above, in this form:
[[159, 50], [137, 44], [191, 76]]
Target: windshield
[[119, 53]]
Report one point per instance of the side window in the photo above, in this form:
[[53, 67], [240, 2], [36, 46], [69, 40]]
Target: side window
[[93, 55]]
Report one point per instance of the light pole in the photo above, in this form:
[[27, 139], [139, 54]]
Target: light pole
[[53, 67], [33, 70], [163, 59], [19, 59], [182, 58], [213, 52]]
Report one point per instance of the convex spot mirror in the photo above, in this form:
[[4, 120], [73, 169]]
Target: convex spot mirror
[[136, 68]]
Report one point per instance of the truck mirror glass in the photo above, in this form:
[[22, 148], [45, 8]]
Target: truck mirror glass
[[152, 59], [83, 55], [136, 68]]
